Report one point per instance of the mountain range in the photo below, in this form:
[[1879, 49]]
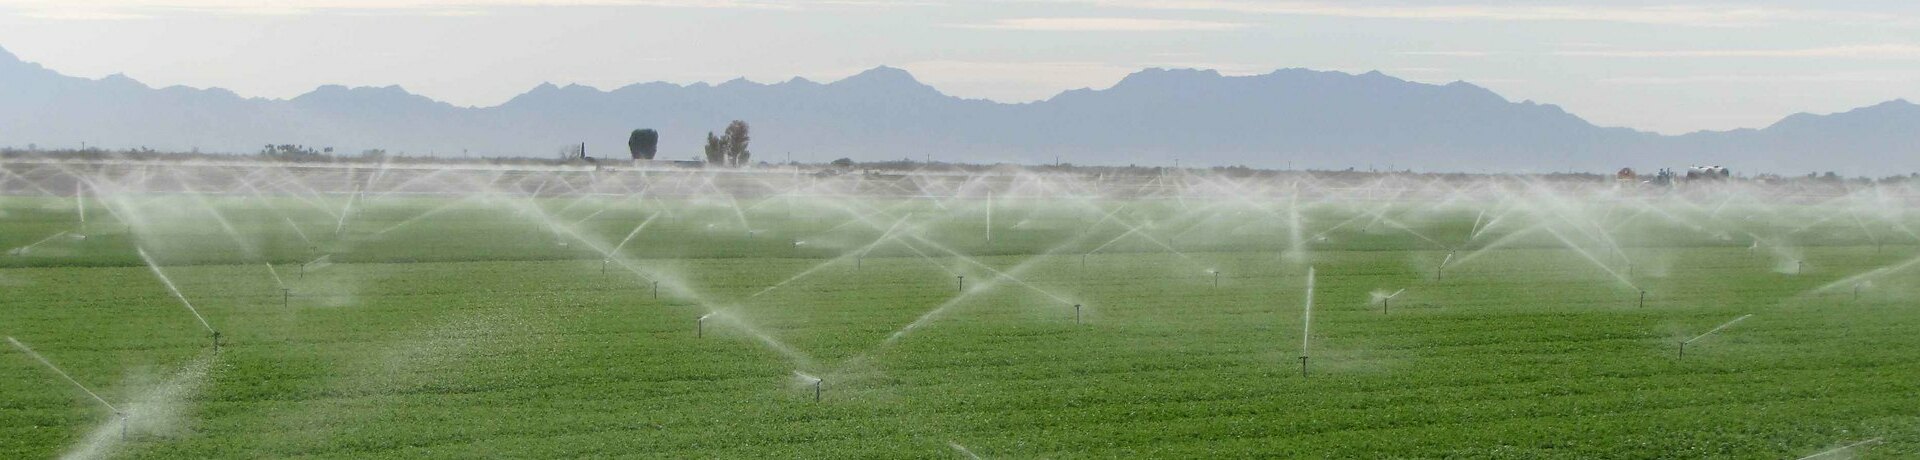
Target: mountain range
[[1288, 118]]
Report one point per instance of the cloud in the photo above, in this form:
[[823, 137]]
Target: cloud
[[132, 9], [1015, 81], [1106, 25], [1878, 51], [1462, 54], [1692, 15], [1026, 81], [1849, 77]]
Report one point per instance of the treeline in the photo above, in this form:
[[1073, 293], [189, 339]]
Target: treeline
[[726, 152]]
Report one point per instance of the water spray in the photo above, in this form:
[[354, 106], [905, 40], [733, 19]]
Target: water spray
[[962, 450], [1842, 448], [80, 205], [76, 383], [1683, 345], [1306, 324], [1440, 270], [176, 294], [989, 216]]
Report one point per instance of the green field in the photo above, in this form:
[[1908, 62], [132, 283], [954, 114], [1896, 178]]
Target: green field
[[499, 326]]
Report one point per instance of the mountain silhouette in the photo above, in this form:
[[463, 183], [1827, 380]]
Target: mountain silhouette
[[1291, 117]]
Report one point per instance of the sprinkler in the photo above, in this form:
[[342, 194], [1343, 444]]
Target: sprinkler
[[1683, 345], [216, 341], [816, 381], [603, 266], [700, 326], [1216, 277], [1076, 313], [656, 290], [1799, 266], [1385, 301], [1303, 367], [286, 297], [123, 423], [961, 280], [1643, 298]]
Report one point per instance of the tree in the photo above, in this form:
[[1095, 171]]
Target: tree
[[843, 162], [643, 143], [736, 143], [716, 150]]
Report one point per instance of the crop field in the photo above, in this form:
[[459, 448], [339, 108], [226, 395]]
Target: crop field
[[1035, 317]]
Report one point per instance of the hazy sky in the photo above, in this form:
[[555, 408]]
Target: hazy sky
[[1661, 66]]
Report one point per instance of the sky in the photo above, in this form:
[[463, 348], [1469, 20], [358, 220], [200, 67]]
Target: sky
[[1662, 66]]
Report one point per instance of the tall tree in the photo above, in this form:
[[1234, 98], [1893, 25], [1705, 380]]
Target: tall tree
[[716, 150], [643, 143], [736, 143]]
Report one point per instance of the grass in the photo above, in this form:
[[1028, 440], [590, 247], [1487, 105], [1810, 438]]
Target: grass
[[471, 332]]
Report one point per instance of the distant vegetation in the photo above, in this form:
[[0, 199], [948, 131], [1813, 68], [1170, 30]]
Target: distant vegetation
[[305, 154], [729, 149], [643, 144]]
